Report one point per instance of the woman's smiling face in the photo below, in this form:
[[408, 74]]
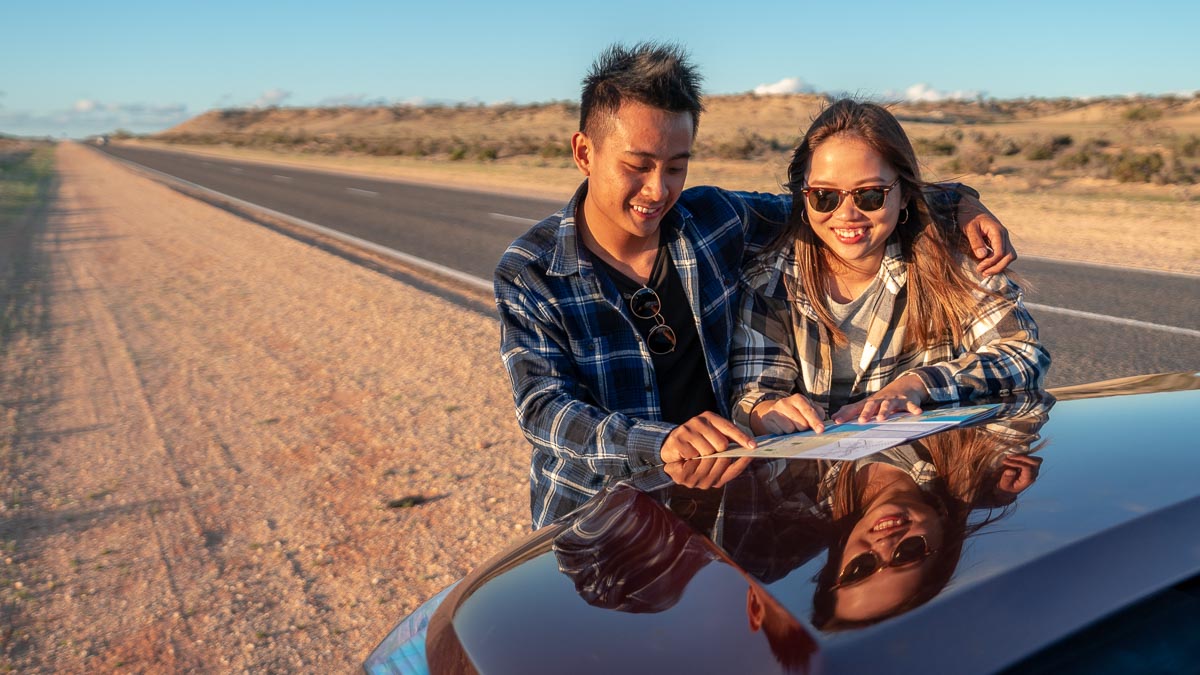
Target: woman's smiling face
[[846, 162], [890, 520]]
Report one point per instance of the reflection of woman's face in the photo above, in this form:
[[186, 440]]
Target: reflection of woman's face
[[892, 517]]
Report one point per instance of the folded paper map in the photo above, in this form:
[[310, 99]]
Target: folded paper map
[[851, 440]]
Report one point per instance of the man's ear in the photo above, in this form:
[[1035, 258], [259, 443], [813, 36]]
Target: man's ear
[[582, 148]]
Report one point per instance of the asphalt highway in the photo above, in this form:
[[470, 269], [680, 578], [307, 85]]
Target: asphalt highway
[[1098, 322]]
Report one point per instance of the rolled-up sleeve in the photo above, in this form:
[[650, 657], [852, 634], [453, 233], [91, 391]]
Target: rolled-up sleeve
[[1002, 354], [763, 364]]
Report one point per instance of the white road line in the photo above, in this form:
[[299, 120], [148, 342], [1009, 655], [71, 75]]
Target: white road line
[[365, 193], [237, 169], [1114, 319], [513, 219], [282, 179]]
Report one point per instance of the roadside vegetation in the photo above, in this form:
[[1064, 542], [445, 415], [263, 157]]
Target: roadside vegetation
[[1154, 140], [25, 171]]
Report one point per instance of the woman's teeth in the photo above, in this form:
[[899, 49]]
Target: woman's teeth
[[888, 523]]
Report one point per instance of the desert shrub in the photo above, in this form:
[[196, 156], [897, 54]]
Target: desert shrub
[[552, 149], [1141, 113], [1090, 155], [1136, 167], [940, 146], [487, 154], [997, 144], [975, 160], [1080, 159], [459, 153], [1041, 150], [1188, 147], [746, 146]]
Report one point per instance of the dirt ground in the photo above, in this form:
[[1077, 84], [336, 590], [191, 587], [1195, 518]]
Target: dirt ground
[[204, 423]]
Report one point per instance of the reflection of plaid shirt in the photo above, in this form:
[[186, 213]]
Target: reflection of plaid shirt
[[582, 377], [780, 347]]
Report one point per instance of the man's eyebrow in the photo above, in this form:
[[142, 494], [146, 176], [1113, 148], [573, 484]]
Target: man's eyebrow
[[651, 155]]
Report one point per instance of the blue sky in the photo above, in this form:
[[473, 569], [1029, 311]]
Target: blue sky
[[74, 68]]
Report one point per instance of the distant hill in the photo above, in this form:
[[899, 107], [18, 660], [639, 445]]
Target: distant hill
[[1159, 137]]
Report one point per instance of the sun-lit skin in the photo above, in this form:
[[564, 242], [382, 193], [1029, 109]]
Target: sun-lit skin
[[857, 237], [896, 512], [636, 169]]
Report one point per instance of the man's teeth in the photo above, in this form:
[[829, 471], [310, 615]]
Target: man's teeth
[[643, 210]]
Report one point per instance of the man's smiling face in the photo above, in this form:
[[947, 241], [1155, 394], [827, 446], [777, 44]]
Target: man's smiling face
[[636, 165]]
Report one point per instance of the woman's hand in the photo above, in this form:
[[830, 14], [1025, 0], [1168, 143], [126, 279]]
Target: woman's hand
[[785, 415], [906, 393]]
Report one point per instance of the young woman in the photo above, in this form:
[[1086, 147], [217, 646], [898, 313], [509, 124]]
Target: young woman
[[868, 304]]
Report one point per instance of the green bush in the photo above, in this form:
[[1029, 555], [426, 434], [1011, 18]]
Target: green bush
[[1141, 113], [940, 146], [1135, 167]]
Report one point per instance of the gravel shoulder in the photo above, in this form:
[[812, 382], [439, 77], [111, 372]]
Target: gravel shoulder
[[204, 422]]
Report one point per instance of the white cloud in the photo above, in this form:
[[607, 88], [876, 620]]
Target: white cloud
[[271, 97], [352, 101], [923, 92], [788, 85], [88, 116]]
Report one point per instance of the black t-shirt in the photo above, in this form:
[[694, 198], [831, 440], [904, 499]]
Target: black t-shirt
[[684, 388]]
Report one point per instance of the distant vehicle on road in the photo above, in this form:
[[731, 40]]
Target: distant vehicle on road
[[1059, 536]]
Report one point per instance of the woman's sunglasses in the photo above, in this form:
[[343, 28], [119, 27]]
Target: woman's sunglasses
[[827, 200], [910, 551], [645, 305]]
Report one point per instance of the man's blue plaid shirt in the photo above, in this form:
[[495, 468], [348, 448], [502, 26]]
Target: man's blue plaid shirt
[[582, 378]]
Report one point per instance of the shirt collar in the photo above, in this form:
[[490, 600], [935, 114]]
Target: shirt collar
[[567, 258], [786, 271]]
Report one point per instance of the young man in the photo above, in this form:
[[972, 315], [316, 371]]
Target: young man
[[616, 312]]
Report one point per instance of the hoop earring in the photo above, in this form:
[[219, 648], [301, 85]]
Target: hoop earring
[[804, 216], [905, 218]]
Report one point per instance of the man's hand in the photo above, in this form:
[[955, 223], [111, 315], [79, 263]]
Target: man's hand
[[705, 434], [709, 472], [906, 393], [987, 237], [785, 415]]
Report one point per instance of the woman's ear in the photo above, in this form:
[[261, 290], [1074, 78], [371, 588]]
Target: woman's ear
[[755, 611]]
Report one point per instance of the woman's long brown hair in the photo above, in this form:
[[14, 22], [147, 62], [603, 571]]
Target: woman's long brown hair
[[940, 299]]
